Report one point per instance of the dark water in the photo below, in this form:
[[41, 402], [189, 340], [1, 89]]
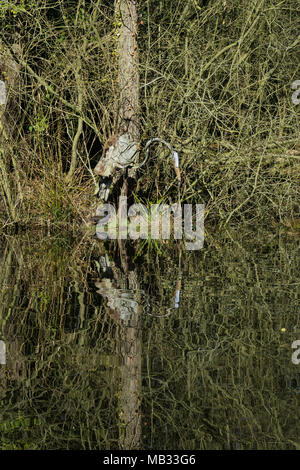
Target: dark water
[[150, 347]]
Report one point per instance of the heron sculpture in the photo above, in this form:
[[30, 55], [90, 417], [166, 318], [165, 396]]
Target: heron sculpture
[[119, 155]]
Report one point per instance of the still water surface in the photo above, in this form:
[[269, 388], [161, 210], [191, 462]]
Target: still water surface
[[154, 347]]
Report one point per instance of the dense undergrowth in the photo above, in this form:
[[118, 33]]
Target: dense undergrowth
[[215, 82]]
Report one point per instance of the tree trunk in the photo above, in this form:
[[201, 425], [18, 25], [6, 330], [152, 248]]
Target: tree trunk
[[121, 150]]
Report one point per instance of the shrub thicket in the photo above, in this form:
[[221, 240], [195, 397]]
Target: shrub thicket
[[215, 81]]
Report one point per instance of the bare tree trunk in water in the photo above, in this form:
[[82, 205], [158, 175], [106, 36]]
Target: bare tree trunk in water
[[128, 77], [121, 289], [121, 149], [128, 122]]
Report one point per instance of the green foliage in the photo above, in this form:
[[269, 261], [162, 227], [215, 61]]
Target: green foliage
[[215, 81]]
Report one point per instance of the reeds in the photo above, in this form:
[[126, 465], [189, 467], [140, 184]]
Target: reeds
[[215, 82]]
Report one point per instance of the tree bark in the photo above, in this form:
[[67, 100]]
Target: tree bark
[[128, 77], [115, 157], [124, 304]]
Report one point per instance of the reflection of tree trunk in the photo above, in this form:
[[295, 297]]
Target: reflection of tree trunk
[[11, 275], [121, 149], [124, 305], [131, 377]]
